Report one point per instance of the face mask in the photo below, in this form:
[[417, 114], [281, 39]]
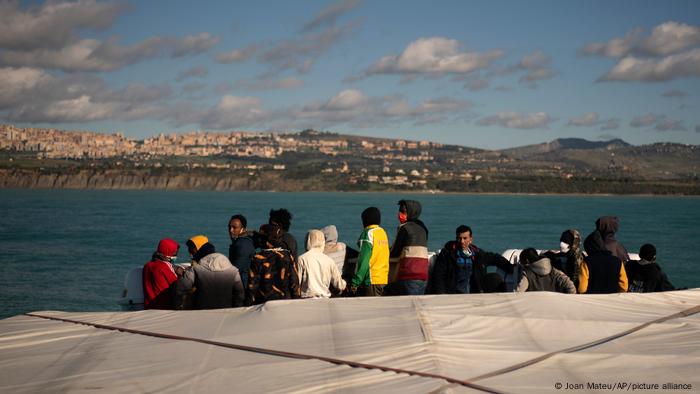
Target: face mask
[[403, 217], [564, 247]]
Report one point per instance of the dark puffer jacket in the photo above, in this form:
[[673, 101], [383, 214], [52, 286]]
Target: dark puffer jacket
[[608, 227], [444, 275], [540, 276], [240, 253], [411, 245], [601, 272]]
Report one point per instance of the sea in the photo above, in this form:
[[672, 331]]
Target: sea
[[69, 250]]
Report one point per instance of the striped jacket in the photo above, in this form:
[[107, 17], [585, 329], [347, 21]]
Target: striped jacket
[[411, 245]]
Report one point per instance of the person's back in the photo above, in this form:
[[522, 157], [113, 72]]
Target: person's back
[[608, 227], [273, 273], [601, 272], [215, 281], [539, 275], [372, 269], [159, 276], [645, 275], [333, 248], [318, 272]]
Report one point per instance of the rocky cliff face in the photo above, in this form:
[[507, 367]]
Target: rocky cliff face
[[140, 180]]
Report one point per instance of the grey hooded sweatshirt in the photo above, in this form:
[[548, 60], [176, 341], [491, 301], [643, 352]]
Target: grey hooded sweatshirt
[[541, 276], [216, 283]]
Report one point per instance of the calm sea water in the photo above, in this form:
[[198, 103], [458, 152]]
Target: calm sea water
[[70, 249]]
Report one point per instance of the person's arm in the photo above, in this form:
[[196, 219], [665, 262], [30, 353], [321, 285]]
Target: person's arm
[[622, 284], [583, 279], [523, 285], [439, 278], [337, 281], [495, 259], [564, 283], [362, 268], [294, 280], [238, 292], [399, 242], [253, 281]]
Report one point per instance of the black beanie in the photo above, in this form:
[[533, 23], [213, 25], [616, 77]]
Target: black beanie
[[567, 238], [371, 216], [647, 252]]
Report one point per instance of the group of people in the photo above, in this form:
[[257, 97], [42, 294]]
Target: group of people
[[265, 265]]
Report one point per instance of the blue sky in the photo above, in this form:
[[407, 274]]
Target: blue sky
[[487, 74]]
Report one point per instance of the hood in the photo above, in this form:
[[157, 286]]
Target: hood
[[594, 244], [168, 247], [205, 250], [541, 267], [413, 209], [315, 240], [196, 242], [215, 262], [330, 233], [607, 225]]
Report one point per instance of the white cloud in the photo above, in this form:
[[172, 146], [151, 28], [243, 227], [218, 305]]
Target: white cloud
[[669, 52], [94, 55], [434, 55], [53, 24], [233, 112], [665, 39], [346, 100], [270, 83], [536, 67], [659, 122], [652, 70], [18, 82], [516, 120], [237, 55], [610, 124], [329, 15], [585, 120], [194, 72]]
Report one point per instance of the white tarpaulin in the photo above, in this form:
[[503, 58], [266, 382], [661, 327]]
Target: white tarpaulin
[[506, 342]]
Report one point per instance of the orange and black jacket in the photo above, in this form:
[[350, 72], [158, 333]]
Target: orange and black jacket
[[273, 275]]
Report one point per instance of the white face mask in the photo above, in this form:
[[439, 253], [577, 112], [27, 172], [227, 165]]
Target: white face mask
[[564, 247]]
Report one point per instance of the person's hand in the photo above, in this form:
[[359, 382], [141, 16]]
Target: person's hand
[[179, 271], [352, 290]]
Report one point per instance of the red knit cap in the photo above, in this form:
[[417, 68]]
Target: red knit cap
[[168, 247]]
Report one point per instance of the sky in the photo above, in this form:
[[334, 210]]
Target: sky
[[485, 74]]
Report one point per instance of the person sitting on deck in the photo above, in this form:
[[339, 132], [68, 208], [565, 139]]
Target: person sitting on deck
[[332, 248], [273, 272], [645, 275], [601, 272], [460, 268], [372, 268], [318, 272], [538, 275], [283, 218], [570, 256], [159, 276], [212, 280]]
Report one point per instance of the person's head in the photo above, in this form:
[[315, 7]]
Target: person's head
[[371, 216], [528, 256], [570, 239], [269, 236], [196, 242], [648, 252], [204, 250], [330, 232], [464, 236], [167, 250], [281, 217], [315, 240], [237, 226], [409, 210]]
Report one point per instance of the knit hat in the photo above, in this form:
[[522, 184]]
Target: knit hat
[[647, 252], [196, 242], [567, 237], [168, 247], [371, 216]]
